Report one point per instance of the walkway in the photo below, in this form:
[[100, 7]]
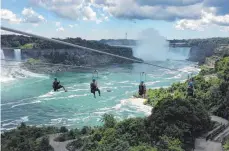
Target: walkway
[[58, 146], [202, 145], [219, 120]]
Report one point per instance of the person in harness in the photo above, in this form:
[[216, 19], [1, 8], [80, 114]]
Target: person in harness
[[56, 85], [142, 89], [94, 87], [190, 87]]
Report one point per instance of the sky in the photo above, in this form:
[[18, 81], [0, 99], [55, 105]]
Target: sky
[[112, 19]]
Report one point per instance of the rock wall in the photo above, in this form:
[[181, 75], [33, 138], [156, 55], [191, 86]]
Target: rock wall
[[76, 56], [200, 52]]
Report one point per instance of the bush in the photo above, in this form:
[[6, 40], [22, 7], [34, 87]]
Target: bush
[[226, 145], [144, 147], [27, 138], [169, 144], [177, 116], [63, 129], [85, 130], [75, 145], [61, 138], [33, 61], [109, 120]]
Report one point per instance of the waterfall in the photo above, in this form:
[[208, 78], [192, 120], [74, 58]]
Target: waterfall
[[178, 53], [17, 54], [2, 54]]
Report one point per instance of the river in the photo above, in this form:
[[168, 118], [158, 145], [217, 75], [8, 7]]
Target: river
[[28, 97]]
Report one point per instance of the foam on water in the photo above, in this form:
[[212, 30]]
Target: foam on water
[[76, 90], [50, 94], [136, 103], [152, 83], [18, 101], [175, 77], [22, 104], [9, 74], [17, 122], [124, 81], [75, 96], [190, 69]]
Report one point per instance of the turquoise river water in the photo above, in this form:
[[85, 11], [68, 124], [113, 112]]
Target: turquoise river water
[[31, 99]]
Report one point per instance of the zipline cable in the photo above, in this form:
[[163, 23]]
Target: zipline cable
[[81, 47]]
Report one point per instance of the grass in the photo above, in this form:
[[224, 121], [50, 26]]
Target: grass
[[27, 46]]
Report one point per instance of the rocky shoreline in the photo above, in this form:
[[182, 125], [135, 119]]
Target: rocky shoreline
[[50, 69]]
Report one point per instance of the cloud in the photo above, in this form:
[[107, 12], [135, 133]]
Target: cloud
[[168, 2], [71, 9], [30, 16], [169, 10], [89, 13], [58, 24], [154, 10], [60, 29], [189, 24], [220, 5], [10, 16], [72, 25], [205, 20], [101, 10]]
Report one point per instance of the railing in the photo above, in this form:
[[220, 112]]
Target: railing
[[216, 132]]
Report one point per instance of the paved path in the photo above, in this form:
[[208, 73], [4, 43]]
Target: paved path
[[58, 146], [203, 145], [219, 120]]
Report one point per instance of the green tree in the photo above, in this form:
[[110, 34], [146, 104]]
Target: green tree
[[226, 145], [109, 120], [144, 147], [170, 144]]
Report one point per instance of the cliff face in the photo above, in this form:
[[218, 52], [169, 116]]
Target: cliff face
[[197, 54], [200, 53], [74, 56], [203, 48]]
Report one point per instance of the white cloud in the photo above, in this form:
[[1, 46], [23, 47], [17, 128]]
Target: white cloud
[[189, 24], [71, 26], [169, 10], [89, 13], [10, 16], [35, 25], [61, 29], [30, 16], [58, 24], [189, 12], [72, 9], [207, 18], [168, 2]]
